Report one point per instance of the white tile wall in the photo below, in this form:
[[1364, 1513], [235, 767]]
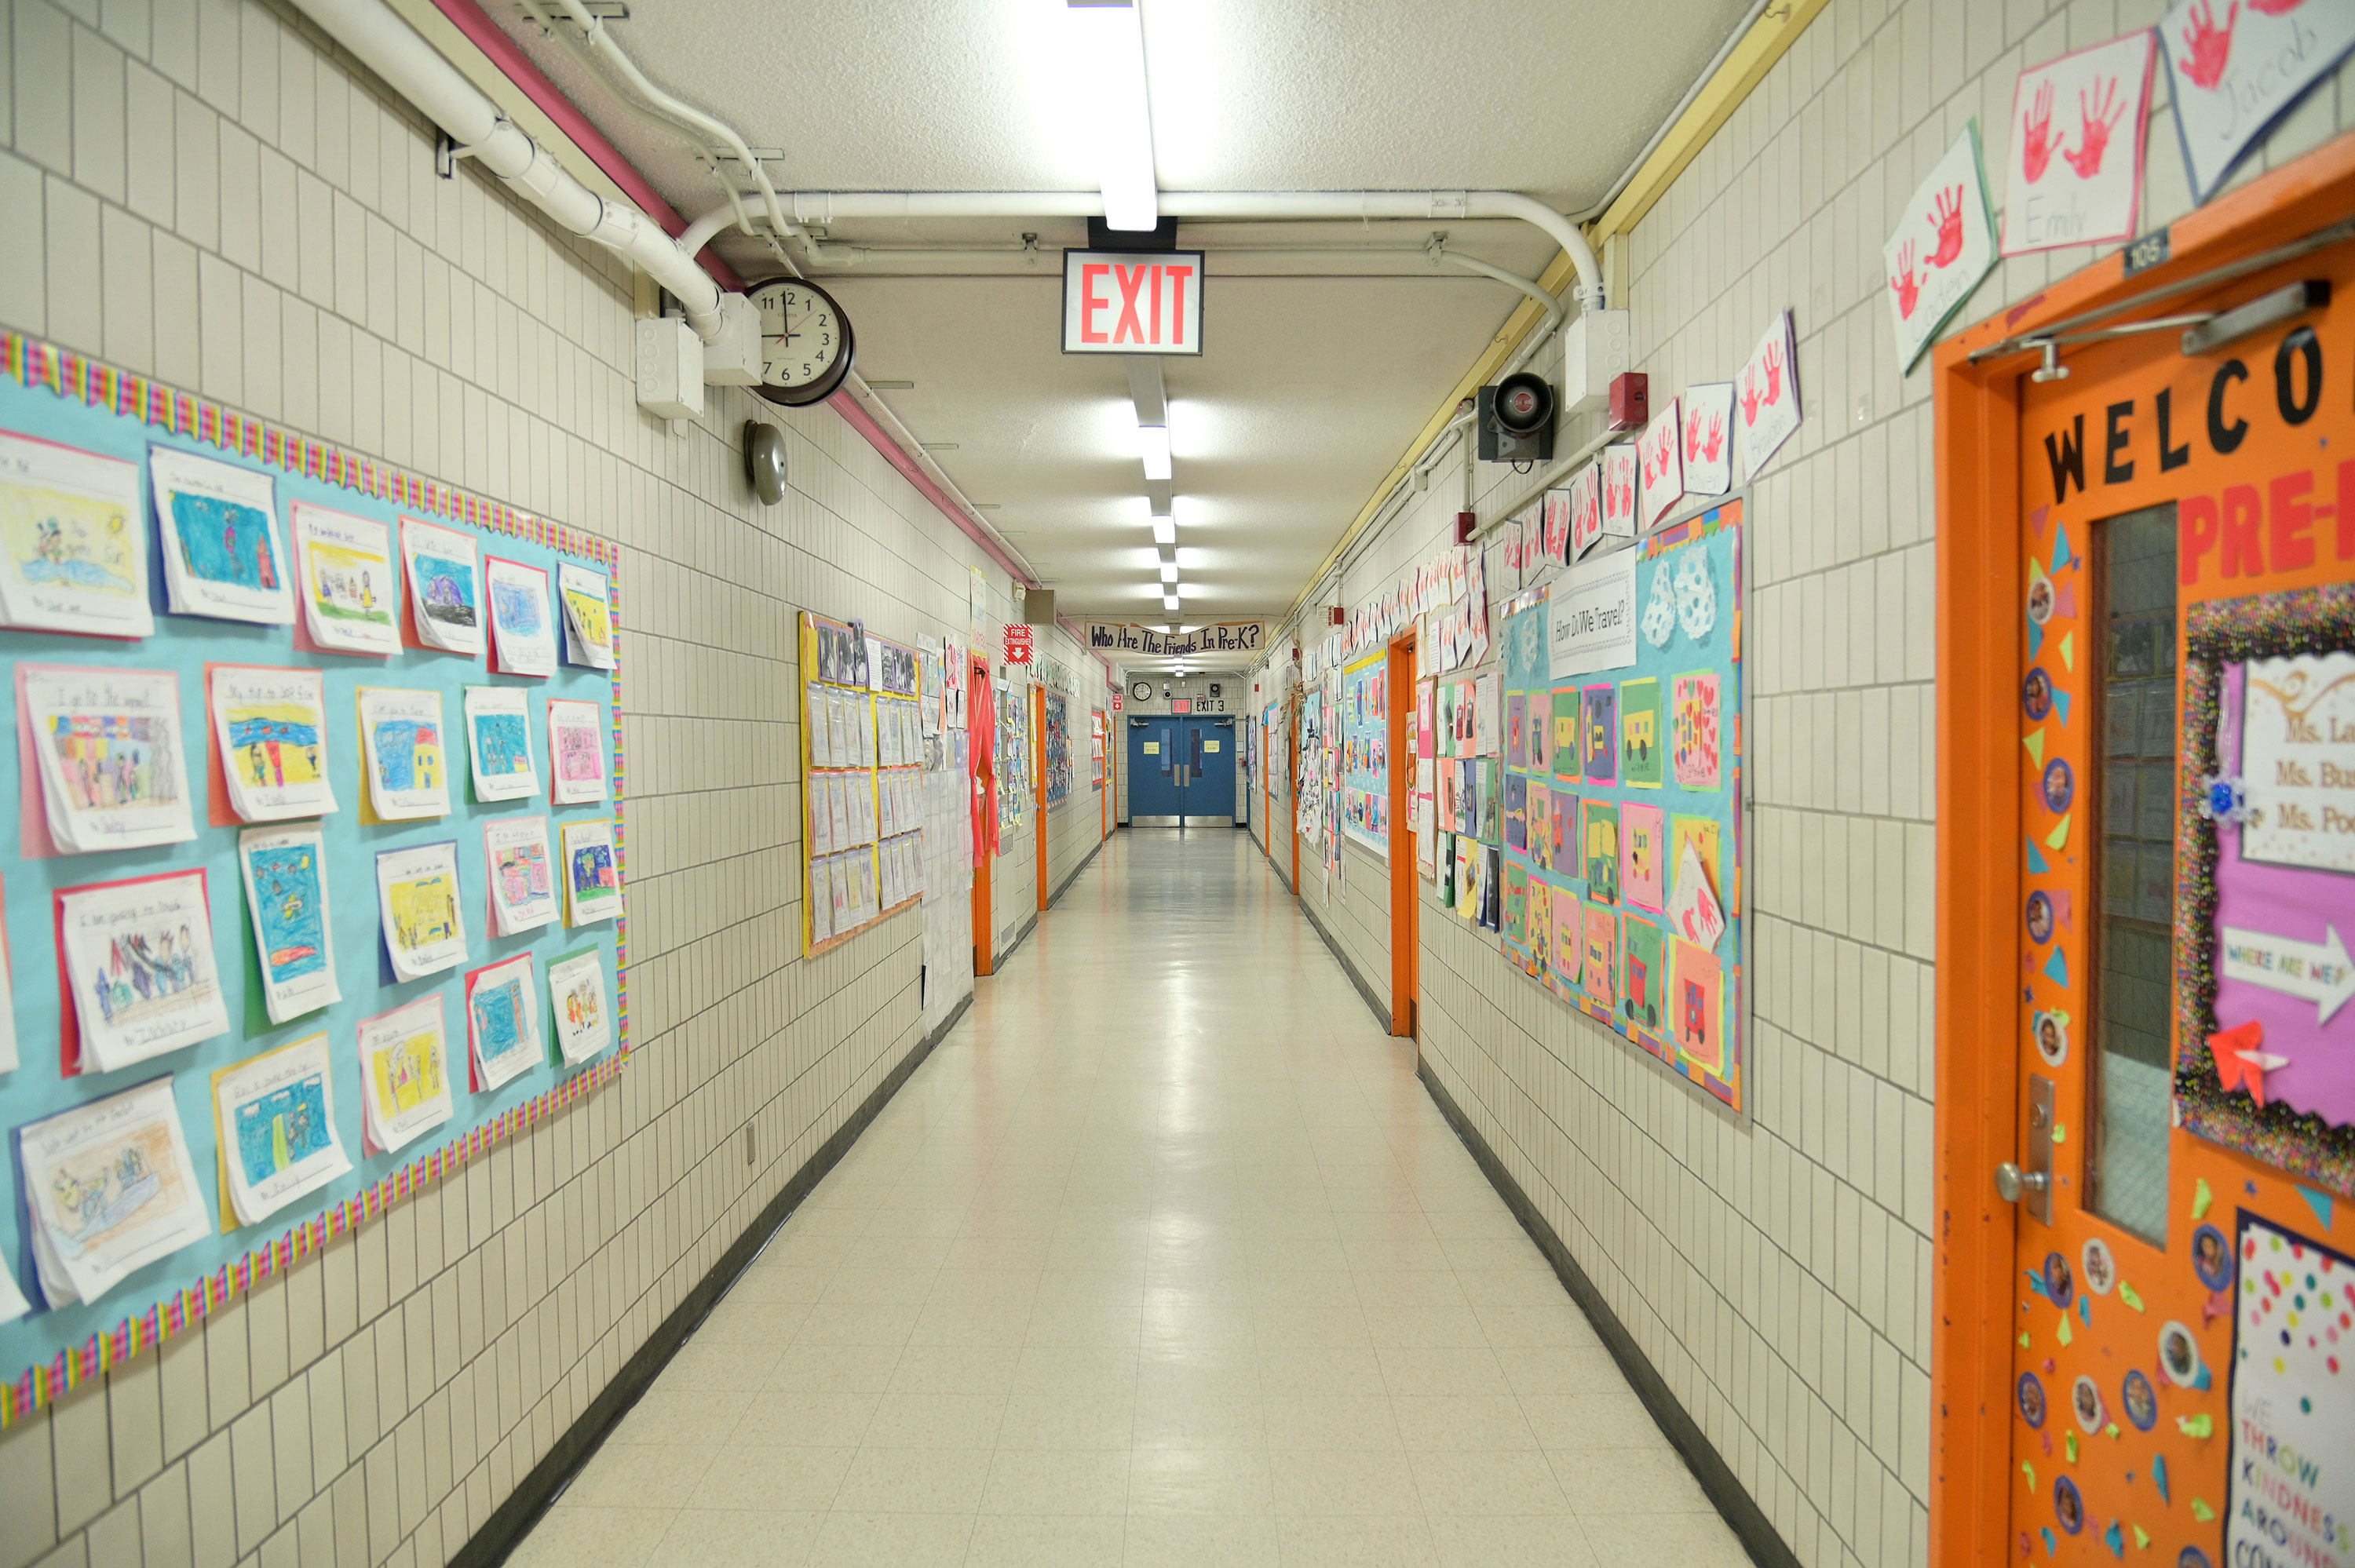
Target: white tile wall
[[1777, 1274], [201, 190]]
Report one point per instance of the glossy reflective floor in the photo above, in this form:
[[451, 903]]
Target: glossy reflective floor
[[1164, 1257]]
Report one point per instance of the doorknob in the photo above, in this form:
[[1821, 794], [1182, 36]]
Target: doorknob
[[2010, 1181]]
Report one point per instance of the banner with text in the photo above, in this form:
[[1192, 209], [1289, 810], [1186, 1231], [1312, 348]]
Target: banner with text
[[1224, 637]]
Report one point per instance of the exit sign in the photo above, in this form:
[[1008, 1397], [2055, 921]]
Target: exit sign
[[1181, 706], [1020, 641], [1133, 302]]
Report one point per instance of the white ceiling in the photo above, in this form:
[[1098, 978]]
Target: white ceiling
[[1318, 368]]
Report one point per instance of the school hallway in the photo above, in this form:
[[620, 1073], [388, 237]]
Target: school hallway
[[1163, 1256]]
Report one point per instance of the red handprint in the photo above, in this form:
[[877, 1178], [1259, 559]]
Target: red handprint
[[1907, 284], [1946, 217], [1749, 398], [1716, 443], [2037, 146], [1692, 434], [2211, 46], [1774, 373], [2098, 118], [2275, 7]]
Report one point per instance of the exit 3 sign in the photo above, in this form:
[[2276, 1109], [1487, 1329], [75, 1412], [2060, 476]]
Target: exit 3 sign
[[1132, 301]]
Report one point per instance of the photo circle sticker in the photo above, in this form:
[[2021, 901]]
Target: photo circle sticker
[[2178, 1355], [2059, 1283], [2040, 917], [2085, 1402], [2032, 1399], [2099, 1268], [2192, 1557], [2141, 1401], [2068, 1506], [2036, 693], [2039, 600], [2060, 786], [2211, 1258], [2051, 1033]]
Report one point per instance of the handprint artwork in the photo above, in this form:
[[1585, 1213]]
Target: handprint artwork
[[2092, 196], [1942, 245], [1770, 396], [1709, 457], [1946, 219], [2236, 66], [1908, 285], [1661, 452]]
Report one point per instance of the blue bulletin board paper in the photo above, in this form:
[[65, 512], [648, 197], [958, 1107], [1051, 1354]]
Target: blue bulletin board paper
[[58, 396]]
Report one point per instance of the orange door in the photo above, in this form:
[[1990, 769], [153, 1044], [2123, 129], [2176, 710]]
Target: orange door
[[2183, 1344], [980, 734], [1405, 907]]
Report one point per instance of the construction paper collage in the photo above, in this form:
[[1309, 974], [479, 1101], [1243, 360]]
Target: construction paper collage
[[1365, 760], [1606, 847], [317, 884]]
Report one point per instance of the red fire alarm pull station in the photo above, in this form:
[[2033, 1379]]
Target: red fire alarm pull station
[[1631, 400], [1464, 522], [1020, 641]]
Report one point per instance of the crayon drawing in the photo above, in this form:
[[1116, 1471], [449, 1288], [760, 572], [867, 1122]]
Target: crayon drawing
[[102, 1192], [445, 589], [522, 871], [499, 1017], [274, 744], [281, 1129], [408, 754], [409, 1074], [288, 911], [517, 606], [424, 910], [350, 585], [581, 1001], [149, 971], [502, 743], [111, 761], [1696, 731], [56, 539], [225, 541]]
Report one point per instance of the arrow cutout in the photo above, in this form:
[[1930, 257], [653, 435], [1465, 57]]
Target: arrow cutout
[[2319, 973]]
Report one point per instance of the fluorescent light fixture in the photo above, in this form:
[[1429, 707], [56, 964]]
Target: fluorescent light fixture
[[1168, 571], [1153, 445], [1108, 50], [1164, 531], [1169, 602], [1167, 554]]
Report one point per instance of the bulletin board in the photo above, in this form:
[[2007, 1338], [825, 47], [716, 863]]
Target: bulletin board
[[1013, 762], [863, 796], [1620, 816], [1058, 748], [52, 396], [1365, 752]]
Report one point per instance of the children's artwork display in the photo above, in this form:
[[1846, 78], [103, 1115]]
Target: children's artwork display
[[350, 598], [216, 529], [503, 1021], [270, 741], [576, 751], [276, 1124], [106, 744], [109, 1187], [523, 635], [861, 792], [202, 737], [588, 617], [73, 552], [2234, 69], [404, 1062], [1058, 748], [1943, 244], [592, 874], [1766, 396], [445, 586], [1365, 748], [579, 1002], [523, 884], [137, 958], [2076, 160], [285, 874], [423, 927], [498, 743], [1617, 874], [403, 743]]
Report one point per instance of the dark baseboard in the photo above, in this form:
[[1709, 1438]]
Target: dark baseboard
[[1381, 1013], [513, 1519], [1085, 861], [1749, 1522]]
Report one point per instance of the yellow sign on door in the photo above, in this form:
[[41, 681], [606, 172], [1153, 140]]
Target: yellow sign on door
[[1209, 746], [1152, 748]]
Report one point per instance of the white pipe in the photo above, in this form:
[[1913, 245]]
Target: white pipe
[[1534, 290], [392, 49], [829, 207]]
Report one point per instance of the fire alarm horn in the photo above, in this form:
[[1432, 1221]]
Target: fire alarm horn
[[1515, 420]]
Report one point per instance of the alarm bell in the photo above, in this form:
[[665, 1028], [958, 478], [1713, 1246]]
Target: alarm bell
[[1515, 420]]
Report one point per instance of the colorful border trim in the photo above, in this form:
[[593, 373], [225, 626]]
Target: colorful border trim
[[2308, 620], [33, 362]]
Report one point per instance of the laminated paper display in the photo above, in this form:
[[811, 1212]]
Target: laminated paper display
[[285, 876], [276, 1124], [107, 745], [270, 727], [404, 1074], [110, 1189], [218, 525], [445, 586], [350, 595], [137, 957], [73, 553]]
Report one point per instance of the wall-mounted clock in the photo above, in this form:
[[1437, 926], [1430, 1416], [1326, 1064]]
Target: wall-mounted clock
[[806, 344], [1141, 691]]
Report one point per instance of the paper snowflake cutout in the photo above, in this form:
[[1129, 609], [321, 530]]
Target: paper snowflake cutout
[[1660, 614], [1696, 597]]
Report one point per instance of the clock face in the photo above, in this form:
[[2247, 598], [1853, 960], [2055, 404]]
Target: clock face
[[1141, 690], [805, 341]]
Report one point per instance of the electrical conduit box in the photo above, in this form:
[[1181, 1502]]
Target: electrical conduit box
[[735, 359], [670, 369], [1595, 346]]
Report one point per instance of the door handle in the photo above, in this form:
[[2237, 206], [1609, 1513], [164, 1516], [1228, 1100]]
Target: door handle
[[2030, 1182], [2010, 1181]]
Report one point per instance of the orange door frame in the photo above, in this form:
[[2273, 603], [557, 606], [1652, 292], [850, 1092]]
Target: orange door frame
[[1291, 760], [1038, 780], [984, 749], [1397, 688], [1979, 595]]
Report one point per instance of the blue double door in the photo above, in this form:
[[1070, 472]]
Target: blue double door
[[1181, 771]]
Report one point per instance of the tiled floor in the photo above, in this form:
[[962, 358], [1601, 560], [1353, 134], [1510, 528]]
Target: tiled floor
[[1164, 1256]]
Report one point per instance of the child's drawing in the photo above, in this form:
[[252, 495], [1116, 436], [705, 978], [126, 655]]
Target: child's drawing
[[1640, 850], [273, 744], [1600, 831], [350, 594], [445, 589], [225, 541], [72, 554], [408, 754], [1696, 731], [417, 897], [109, 1188], [425, 911], [1640, 734], [1600, 734], [107, 755], [282, 1129], [113, 760], [1645, 986], [290, 910]]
